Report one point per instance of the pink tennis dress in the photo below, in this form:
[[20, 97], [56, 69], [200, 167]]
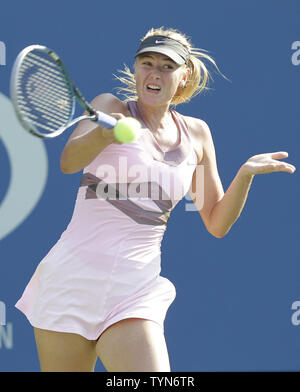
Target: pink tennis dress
[[106, 265]]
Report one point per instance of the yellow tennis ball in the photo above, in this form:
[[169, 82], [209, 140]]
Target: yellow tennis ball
[[127, 130]]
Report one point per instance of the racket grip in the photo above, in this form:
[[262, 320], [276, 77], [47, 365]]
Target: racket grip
[[105, 120]]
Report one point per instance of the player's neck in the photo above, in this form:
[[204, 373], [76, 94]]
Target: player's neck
[[154, 117]]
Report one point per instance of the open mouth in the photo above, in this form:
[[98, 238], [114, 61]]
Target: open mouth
[[153, 88]]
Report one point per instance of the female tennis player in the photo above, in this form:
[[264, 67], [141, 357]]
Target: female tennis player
[[99, 292]]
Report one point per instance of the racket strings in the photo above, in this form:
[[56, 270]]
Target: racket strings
[[44, 97]]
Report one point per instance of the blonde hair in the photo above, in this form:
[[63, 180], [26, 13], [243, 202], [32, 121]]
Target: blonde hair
[[198, 78]]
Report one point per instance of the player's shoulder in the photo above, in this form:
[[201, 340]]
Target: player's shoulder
[[109, 103], [200, 134], [197, 127]]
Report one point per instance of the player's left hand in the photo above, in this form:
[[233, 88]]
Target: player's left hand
[[267, 163]]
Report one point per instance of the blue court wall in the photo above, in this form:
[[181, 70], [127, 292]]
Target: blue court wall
[[238, 298]]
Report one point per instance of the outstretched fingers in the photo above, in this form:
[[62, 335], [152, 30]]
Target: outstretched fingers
[[282, 166], [279, 154]]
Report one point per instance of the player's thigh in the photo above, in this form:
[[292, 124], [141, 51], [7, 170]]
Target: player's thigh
[[65, 352], [134, 345]]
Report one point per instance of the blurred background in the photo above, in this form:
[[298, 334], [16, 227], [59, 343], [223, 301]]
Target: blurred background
[[238, 298]]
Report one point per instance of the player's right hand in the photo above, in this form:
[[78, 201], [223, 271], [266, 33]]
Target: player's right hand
[[109, 133]]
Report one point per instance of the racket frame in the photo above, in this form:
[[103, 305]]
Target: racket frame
[[102, 118]]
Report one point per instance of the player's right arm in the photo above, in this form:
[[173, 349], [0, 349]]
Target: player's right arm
[[89, 138]]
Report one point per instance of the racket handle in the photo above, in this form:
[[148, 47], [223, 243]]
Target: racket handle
[[106, 121]]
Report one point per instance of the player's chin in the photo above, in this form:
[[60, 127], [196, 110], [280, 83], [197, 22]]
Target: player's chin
[[154, 98], [154, 94]]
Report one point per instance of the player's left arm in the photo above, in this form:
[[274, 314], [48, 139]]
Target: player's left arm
[[206, 189], [220, 210]]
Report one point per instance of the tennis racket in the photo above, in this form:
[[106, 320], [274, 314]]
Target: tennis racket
[[44, 97]]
